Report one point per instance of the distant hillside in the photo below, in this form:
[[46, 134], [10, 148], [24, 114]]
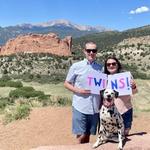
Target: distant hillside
[[61, 27], [135, 52], [45, 68], [132, 47], [38, 67], [106, 40]]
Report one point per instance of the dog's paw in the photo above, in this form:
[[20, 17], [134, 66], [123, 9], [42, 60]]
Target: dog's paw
[[98, 143], [95, 145], [120, 147]]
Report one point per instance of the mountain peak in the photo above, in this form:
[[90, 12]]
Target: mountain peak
[[67, 23], [54, 23], [62, 27]]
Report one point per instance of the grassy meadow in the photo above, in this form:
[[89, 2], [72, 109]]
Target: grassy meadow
[[4, 91], [141, 100], [50, 89]]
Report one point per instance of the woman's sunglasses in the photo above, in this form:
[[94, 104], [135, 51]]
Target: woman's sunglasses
[[113, 64], [91, 50]]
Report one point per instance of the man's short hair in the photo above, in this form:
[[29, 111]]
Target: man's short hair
[[90, 43]]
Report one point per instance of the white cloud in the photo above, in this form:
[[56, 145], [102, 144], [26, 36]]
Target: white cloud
[[140, 10]]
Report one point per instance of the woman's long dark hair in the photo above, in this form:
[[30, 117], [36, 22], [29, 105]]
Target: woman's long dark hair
[[118, 62]]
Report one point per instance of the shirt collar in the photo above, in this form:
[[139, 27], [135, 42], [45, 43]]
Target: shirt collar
[[88, 62]]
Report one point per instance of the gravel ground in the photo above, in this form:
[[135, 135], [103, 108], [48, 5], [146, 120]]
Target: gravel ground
[[49, 128]]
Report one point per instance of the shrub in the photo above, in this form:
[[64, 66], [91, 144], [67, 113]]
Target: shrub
[[5, 71], [27, 88], [4, 102], [22, 111], [27, 92], [2, 83], [16, 84], [45, 100], [35, 94], [5, 78], [16, 112], [17, 93], [63, 101]]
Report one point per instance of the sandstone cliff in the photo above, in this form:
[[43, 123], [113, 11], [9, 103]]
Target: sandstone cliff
[[38, 43]]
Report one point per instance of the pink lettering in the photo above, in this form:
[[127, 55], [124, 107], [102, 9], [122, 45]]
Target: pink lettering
[[104, 83], [90, 80], [122, 83]]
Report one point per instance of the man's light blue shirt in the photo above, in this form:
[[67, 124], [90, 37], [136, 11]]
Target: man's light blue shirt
[[77, 75]]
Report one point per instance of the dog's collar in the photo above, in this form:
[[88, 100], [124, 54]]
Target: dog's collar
[[109, 105]]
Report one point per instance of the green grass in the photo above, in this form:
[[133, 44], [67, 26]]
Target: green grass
[[50, 89], [4, 91], [141, 100]]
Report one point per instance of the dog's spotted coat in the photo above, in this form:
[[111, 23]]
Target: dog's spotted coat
[[111, 123]]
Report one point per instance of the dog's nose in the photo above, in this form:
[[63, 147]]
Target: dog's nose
[[108, 96]]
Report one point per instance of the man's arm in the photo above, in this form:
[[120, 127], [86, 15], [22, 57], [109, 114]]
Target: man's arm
[[74, 89]]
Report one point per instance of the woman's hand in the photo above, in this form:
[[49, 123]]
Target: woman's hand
[[133, 84]]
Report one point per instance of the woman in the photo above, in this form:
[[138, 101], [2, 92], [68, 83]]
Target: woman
[[123, 103]]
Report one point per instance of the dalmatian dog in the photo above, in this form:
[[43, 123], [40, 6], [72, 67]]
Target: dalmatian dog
[[111, 127]]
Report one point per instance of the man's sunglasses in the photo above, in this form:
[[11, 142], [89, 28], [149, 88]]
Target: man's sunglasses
[[91, 50], [113, 64]]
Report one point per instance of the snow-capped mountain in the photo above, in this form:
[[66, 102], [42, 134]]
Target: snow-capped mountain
[[63, 22], [61, 27]]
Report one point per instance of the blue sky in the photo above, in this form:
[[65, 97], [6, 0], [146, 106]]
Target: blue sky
[[114, 14]]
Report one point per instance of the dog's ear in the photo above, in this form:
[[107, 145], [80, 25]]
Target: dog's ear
[[101, 98], [102, 93], [116, 94]]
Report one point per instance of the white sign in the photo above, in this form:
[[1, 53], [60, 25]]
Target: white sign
[[96, 82], [120, 82]]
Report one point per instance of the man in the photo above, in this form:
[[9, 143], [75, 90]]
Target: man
[[85, 105]]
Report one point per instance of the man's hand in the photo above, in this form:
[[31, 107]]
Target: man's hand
[[70, 87], [82, 91]]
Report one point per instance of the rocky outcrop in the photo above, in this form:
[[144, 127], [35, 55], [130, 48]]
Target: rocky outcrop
[[38, 43]]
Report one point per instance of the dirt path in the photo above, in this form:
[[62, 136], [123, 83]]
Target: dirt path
[[136, 142], [52, 126]]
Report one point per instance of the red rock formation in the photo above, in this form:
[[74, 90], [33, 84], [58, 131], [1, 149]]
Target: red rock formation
[[38, 43]]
